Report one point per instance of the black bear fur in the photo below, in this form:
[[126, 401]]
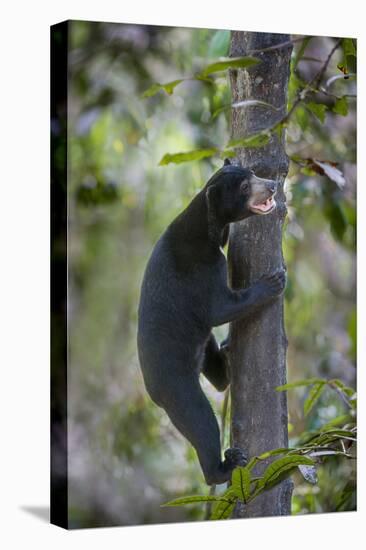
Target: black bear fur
[[185, 294]]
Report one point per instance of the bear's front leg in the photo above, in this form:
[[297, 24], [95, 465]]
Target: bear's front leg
[[234, 305]]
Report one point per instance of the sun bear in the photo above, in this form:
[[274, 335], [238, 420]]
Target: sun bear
[[185, 294]]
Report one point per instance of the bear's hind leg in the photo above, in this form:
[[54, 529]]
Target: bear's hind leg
[[191, 413]]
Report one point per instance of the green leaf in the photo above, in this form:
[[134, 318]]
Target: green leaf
[[349, 392], [353, 401], [225, 506], [219, 45], [296, 84], [265, 455], [348, 47], [313, 396], [227, 153], [348, 64], [223, 510], [229, 63], [168, 88], [342, 419], [341, 106], [330, 436], [278, 129], [350, 213], [240, 483], [324, 436], [338, 221], [307, 382], [307, 171], [310, 440], [196, 154], [318, 109], [220, 110], [301, 51], [275, 472], [256, 140], [201, 78], [339, 433], [348, 494], [302, 118], [182, 501]]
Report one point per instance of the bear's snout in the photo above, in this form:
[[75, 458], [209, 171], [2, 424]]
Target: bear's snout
[[272, 186]]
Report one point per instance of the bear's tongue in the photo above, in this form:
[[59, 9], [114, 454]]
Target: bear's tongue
[[264, 206]]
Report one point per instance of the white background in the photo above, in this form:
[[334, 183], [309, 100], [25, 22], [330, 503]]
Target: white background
[[24, 270]]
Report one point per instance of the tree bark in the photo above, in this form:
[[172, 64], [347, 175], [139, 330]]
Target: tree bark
[[258, 344]]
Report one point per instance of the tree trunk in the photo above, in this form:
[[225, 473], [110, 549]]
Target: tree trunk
[[258, 344]]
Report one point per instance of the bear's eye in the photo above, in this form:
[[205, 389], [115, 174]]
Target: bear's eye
[[244, 186]]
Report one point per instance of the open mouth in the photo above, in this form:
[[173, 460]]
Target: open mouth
[[264, 207]]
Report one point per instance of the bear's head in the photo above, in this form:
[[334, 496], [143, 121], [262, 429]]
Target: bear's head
[[234, 193]]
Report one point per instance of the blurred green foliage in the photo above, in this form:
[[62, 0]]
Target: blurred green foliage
[[126, 459]]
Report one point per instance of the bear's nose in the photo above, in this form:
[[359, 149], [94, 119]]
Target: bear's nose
[[272, 186]]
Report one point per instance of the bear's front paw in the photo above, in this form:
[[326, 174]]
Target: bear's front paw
[[273, 285]]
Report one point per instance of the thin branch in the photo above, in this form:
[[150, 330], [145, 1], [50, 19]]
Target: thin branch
[[341, 394], [223, 429], [224, 416], [278, 46], [313, 83], [319, 76], [309, 87], [322, 90]]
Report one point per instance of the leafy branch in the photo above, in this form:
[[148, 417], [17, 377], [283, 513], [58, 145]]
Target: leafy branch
[[317, 386], [326, 442], [261, 138], [205, 74], [244, 487]]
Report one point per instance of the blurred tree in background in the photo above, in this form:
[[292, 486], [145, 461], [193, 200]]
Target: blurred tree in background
[[125, 458]]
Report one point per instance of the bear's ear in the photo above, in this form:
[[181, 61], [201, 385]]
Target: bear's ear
[[212, 195], [213, 200], [227, 162]]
